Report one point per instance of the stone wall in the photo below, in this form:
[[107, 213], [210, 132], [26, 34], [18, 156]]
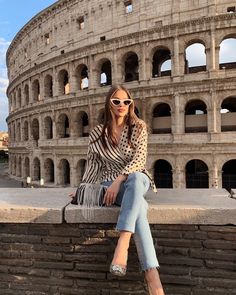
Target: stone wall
[[74, 259], [47, 247]]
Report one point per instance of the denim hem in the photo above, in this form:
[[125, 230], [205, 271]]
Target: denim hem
[[149, 268], [124, 229]]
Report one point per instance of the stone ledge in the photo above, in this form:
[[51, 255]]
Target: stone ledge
[[172, 206], [30, 205], [168, 206]]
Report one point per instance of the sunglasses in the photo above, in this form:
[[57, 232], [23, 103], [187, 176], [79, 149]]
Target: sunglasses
[[118, 102]]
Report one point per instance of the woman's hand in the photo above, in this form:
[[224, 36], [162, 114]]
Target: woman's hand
[[113, 190], [72, 195], [111, 193]]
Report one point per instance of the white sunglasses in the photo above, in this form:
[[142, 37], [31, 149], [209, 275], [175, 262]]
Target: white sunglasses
[[117, 102]]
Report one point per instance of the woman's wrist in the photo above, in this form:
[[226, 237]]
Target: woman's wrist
[[121, 178]]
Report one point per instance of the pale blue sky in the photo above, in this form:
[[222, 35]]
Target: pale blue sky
[[14, 14]]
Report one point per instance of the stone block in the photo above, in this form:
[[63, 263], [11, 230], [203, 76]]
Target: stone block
[[29, 205]]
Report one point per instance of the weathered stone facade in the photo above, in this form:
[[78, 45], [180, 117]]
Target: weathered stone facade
[[56, 92]]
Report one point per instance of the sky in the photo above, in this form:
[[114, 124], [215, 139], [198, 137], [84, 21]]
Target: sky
[[14, 14]]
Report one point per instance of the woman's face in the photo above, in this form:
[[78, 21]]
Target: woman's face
[[120, 103]]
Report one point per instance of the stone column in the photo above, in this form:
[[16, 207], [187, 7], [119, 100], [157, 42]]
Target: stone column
[[42, 171], [175, 58], [56, 170], [54, 130], [72, 78], [114, 68], [93, 78], [142, 63], [73, 182], [212, 54], [214, 177], [55, 83]]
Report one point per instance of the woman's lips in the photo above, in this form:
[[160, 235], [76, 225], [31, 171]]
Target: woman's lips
[[121, 110]]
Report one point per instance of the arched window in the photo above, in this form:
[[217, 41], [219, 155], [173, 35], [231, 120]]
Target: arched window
[[80, 170], [82, 77], [163, 174], [82, 124], [48, 128], [63, 126], [131, 67], [161, 122], [195, 58], [26, 94], [64, 172], [161, 63], [35, 129], [27, 167], [26, 131], [63, 79], [196, 174], [228, 114], [227, 58], [36, 90], [36, 169], [195, 116], [49, 170], [106, 78], [229, 175], [48, 86]]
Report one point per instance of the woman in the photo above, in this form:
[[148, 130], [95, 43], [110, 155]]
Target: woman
[[116, 158]]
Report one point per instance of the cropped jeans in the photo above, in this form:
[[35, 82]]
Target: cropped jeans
[[133, 217]]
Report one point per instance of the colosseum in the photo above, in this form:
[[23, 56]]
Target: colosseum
[[63, 61]]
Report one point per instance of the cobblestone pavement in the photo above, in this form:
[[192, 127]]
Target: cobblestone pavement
[[5, 180]]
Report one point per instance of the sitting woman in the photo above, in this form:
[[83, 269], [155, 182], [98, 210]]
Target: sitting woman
[[116, 158]]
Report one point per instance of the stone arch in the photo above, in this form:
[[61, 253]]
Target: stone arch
[[196, 174], [48, 86], [48, 128], [26, 131], [229, 174], [26, 167], [80, 169], [163, 174], [137, 111], [82, 77], [63, 126], [227, 59], [49, 171], [195, 116], [36, 90], [18, 131], [228, 114], [101, 116], [14, 165], [64, 172], [19, 167], [81, 124], [195, 63], [26, 94], [35, 129], [131, 66], [63, 82], [160, 57], [19, 98], [161, 118], [105, 72], [36, 169]]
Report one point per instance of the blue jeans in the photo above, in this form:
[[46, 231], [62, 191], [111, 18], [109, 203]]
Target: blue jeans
[[133, 217]]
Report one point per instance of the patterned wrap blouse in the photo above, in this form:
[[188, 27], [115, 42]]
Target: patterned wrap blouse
[[106, 164]]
